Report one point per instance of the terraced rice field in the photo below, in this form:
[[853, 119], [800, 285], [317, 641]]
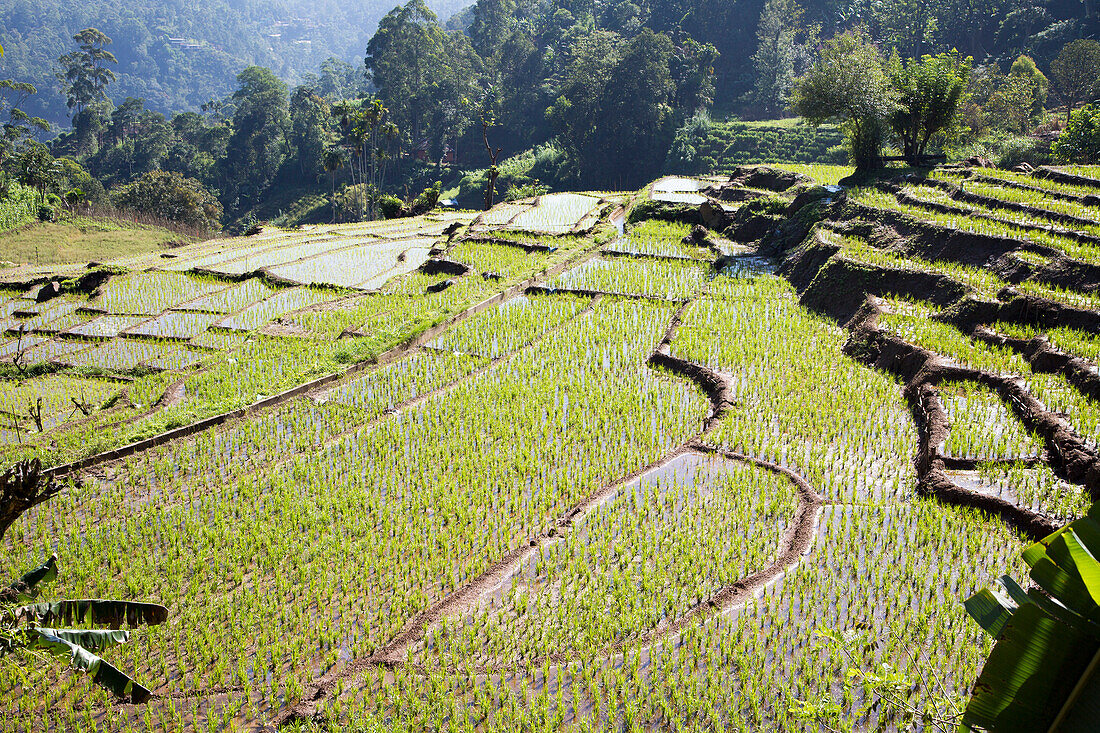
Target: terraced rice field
[[563, 472]]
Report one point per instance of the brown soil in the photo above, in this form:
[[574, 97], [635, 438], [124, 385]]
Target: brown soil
[[921, 371]]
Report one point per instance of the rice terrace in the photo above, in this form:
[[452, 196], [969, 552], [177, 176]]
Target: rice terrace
[[727, 453]]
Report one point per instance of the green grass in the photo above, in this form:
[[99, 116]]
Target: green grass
[[823, 173], [81, 240]]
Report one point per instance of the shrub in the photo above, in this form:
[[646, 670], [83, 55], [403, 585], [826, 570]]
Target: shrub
[[1080, 142], [391, 206], [46, 212], [172, 197]]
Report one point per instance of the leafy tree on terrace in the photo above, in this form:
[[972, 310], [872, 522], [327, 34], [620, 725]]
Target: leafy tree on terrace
[[171, 196], [1024, 66], [84, 75], [1076, 72], [930, 93], [848, 83], [1080, 142]]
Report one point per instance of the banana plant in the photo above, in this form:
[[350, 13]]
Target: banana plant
[[1042, 673], [34, 627]]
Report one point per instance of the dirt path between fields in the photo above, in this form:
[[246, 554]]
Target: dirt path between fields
[[795, 544]]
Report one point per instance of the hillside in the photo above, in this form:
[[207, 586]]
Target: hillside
[[177, 55], [621, 461]]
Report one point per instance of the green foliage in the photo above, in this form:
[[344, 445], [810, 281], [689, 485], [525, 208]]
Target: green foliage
[[18, 206], [782, 54], [84, 74], [1080, 141], [1076, 72], [1040, 673], [173, 198], [849, 83], [29, 628], [257, 147], [929, 93], [614, 107], [390, 206]]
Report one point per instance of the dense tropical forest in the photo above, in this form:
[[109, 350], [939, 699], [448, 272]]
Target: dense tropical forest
[[269, 113]]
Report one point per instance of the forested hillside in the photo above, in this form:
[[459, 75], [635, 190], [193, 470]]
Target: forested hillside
[[178, 54], [240, 112]]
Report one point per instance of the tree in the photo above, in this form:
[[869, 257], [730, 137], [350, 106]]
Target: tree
[[309, 122], [402, 58], [23, 487], [781, 54], [1076, 71], [37, 168], [333, 160], [1080, 141], [369, 136], [493, 23], [575, 114], [1012, 105], [1024, 66], [928, 96], [19, 125], [84, 75], [171, 196], [848, 83], [258, 146]]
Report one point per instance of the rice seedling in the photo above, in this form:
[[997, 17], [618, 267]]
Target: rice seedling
[[1068, 340], [982, 428], [664, 544], [982, 282], [233, 298], [365, 266], [174, 325], [1028, 197], [829, 175], [281, 303], [1069, 247], [151, 293], [800, 402], [510, 326], [518, 513], [668, 280], [1044, 184], [43, 403], [105, 326], [119, 355]]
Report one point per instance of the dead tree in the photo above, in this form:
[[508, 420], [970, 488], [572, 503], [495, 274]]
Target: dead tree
[[493, 171], [22, 487]]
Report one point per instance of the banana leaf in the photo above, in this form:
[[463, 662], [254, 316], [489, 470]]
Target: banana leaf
[[103, 673], [96, 611], [94, 640], [1041, 671], [25, 589]]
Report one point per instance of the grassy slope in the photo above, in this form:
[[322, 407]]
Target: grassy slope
[[80, 240]]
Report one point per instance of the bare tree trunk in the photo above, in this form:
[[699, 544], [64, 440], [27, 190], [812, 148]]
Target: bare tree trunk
[[22, 487]]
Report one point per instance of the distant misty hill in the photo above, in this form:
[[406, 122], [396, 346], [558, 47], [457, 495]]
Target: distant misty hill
[[177, 54]]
